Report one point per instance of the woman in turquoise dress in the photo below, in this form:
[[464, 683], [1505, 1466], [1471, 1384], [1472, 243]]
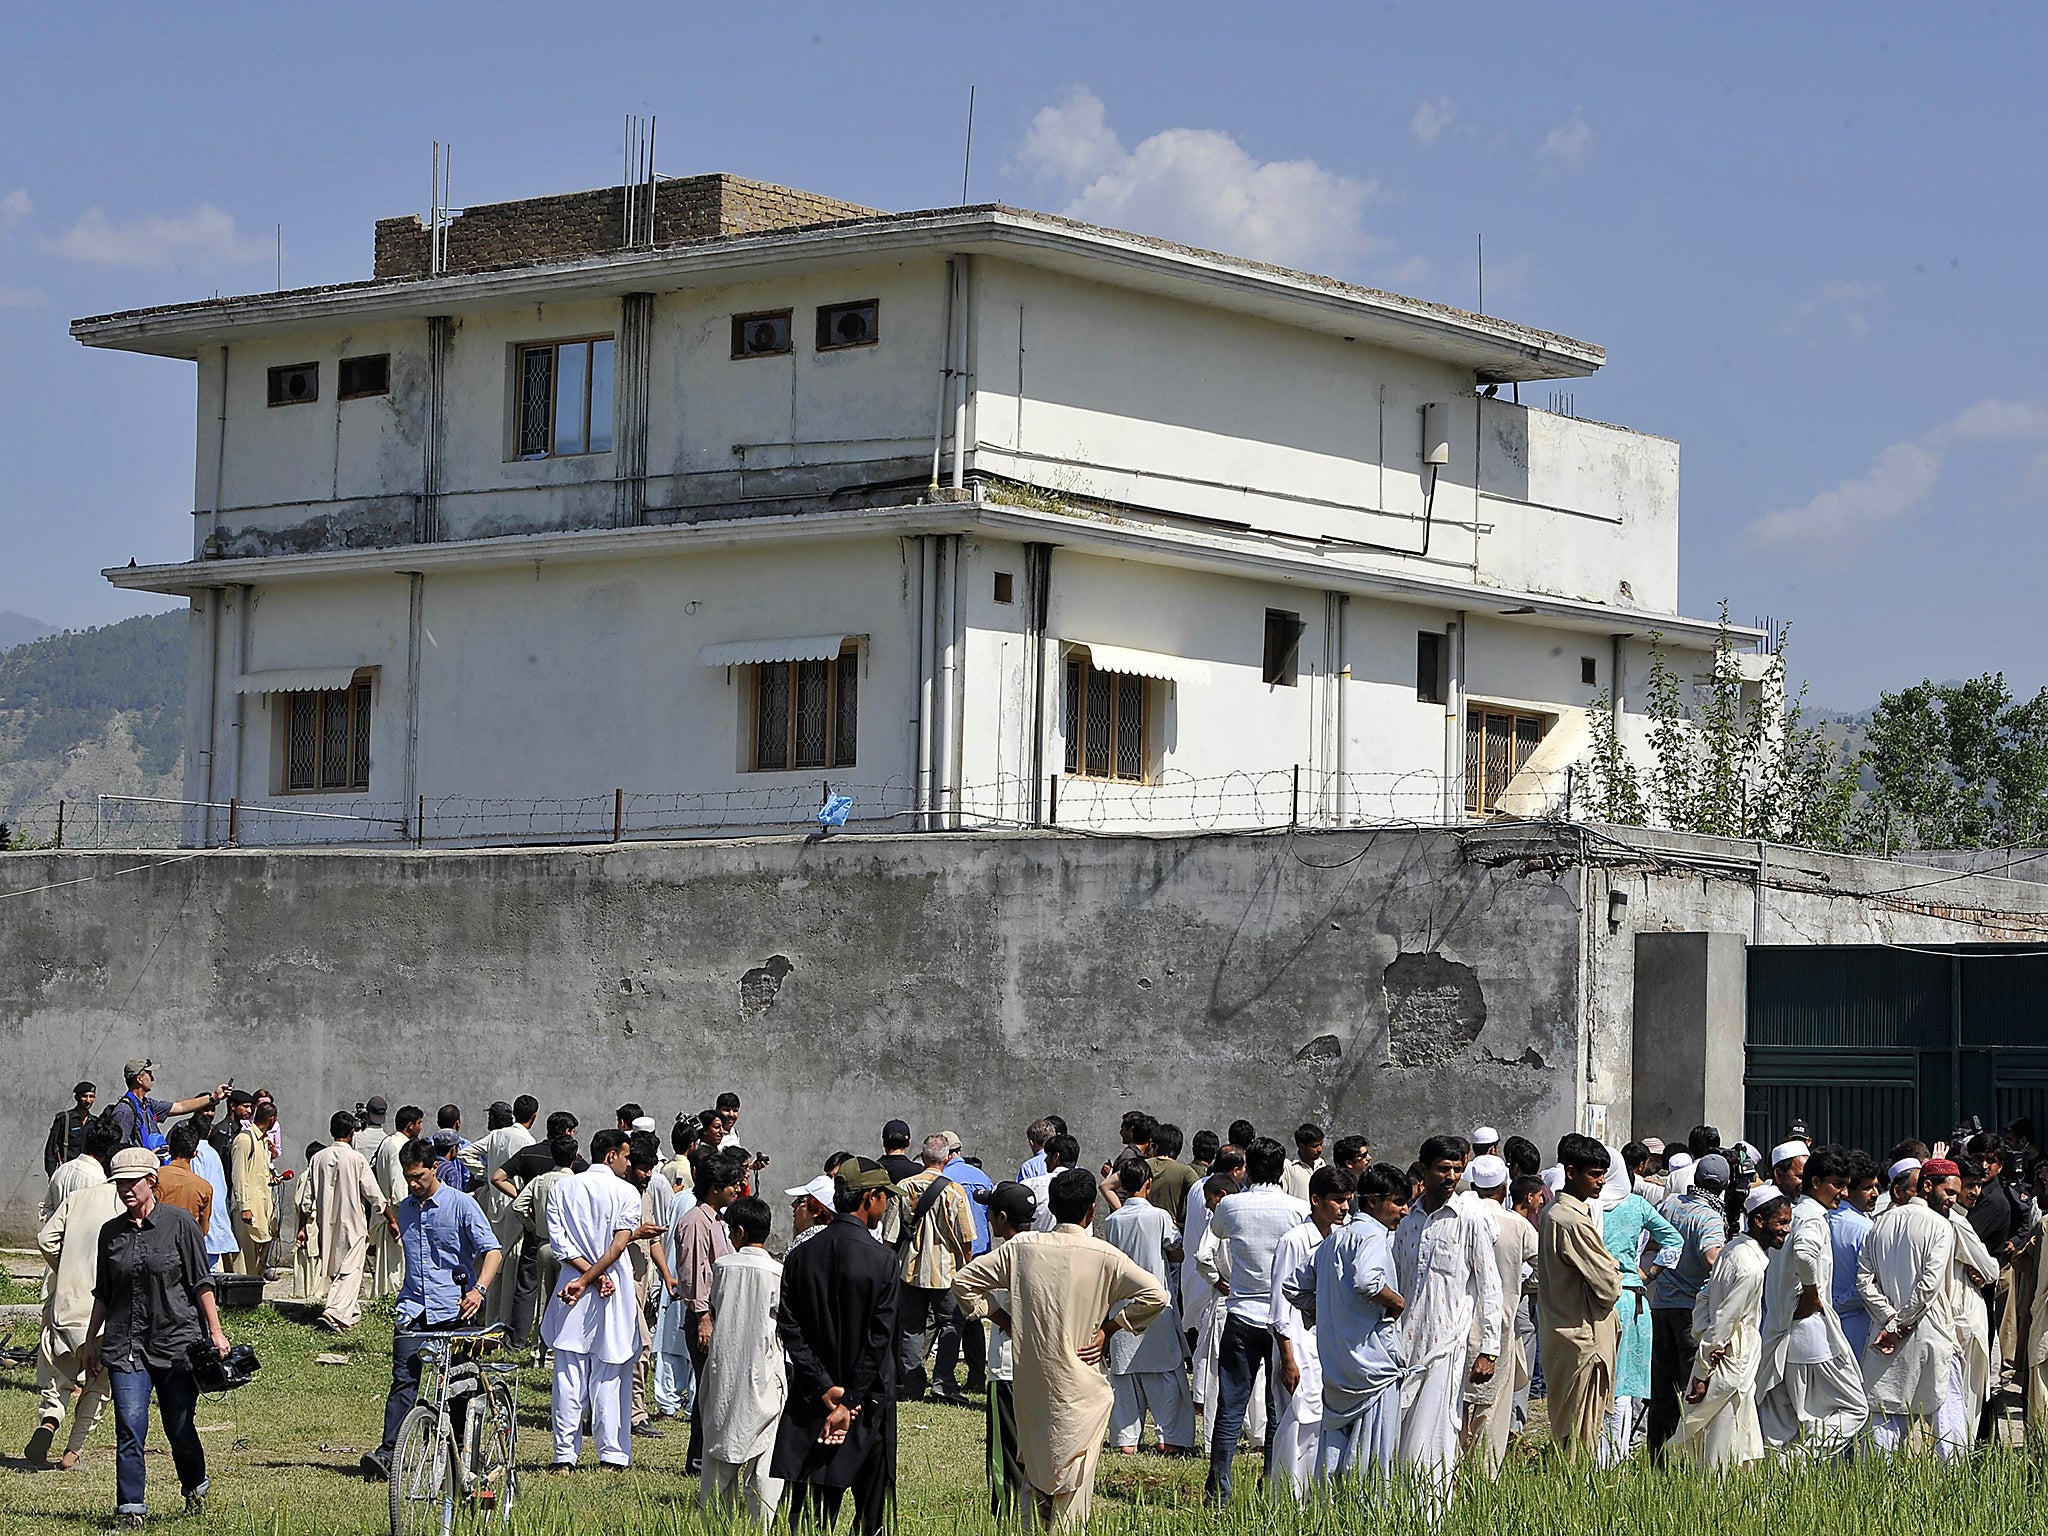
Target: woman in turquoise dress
[[1636, 1235]]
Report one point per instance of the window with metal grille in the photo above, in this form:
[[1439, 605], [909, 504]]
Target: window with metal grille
[[1105, 718], [361, 376], [848, 325], [327, 739], [762, 335], [1282, 665], [294, 384], [1497, 744], [565, 398], [1429, 666], [806, 713]]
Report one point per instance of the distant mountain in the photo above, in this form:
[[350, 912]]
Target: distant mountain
[[91, 712], [19, 629]]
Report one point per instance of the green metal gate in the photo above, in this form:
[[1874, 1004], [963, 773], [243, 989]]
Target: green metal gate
[[1871, 1044]]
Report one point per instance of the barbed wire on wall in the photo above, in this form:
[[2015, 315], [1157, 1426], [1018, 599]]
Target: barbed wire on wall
[[1170, 802]]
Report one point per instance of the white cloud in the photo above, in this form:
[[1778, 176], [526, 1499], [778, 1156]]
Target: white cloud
[[206, 233], [15, 207], [1432, 118], [1200, 187], [1899, 480], [1847, 300], [1570, 141]]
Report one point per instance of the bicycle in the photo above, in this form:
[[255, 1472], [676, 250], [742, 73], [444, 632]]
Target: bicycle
[[454, 1458]]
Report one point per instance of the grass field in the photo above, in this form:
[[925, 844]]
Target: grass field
[[282, 1455]]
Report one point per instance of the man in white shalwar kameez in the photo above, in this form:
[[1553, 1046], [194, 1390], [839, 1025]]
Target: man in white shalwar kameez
[[1444, 1267], [372, 1136], [511, 1131], [1348, 1287], [1298, 1417], [1070, 1294], [1147, 1371], [1809, 1383], [387, 1273], [593, 1321], [1490, 1405], [1719, 1423], [1974, 1268], [745, 1379], [345, 1200], [1912, 1368]]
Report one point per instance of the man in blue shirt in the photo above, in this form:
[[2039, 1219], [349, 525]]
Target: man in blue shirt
[[451, 1257], [141, 1119], [1848, 1224], [955, 1332]]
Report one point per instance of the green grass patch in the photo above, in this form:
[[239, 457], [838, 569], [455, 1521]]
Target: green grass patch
[[282, 1455]]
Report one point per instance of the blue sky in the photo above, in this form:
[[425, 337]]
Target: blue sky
[[1809, 237]]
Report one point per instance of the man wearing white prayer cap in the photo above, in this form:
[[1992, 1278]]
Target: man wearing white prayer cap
[[1485, 1140], [1490, 1405], [1720, 1423]]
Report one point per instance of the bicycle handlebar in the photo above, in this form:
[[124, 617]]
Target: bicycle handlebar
[[460, 1335]]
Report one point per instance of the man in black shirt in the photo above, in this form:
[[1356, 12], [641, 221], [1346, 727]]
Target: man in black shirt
[[65, 1130], [837, 1322], [896, 1156], [513, 1175], [152, 1304]]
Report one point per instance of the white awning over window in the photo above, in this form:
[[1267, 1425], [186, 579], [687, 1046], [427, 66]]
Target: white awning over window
[[740, 653], [1126, 659], [298, 679]]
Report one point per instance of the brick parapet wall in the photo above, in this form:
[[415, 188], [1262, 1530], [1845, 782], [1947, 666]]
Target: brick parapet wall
[[573, 224]]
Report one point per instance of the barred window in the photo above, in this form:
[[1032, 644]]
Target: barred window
[[806, 713], [1497, 744], [1106, 721], [565, 398], [327, 739]]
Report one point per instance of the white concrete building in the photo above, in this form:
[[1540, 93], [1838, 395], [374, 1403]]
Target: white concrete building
[[980, 516]]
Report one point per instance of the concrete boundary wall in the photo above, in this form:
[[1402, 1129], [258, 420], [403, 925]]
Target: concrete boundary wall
[[1380, 983]]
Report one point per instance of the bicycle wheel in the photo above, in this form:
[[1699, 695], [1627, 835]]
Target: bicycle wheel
[[422, 1492], [493, 1473]]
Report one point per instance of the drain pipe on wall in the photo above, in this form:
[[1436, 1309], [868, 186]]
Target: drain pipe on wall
[[945, 384], [926, 588], [963, 323]]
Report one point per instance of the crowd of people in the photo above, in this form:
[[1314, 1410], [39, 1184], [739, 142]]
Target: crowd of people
[[1351, 1317]]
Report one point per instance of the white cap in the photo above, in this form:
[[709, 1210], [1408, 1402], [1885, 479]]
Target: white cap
[[1761, 1194], [1485, 1136], [1902, 1167], [645, 1123], [819, 1189], [1676, 1161], [1785, 1151], [1488, 1172]]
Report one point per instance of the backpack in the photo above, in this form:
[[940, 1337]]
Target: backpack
[[906, 1232]]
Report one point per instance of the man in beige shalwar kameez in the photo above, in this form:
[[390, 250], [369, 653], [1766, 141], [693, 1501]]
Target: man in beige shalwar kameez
[[345, 1199], [1577, 1286], [511, 1131], [1064, 1286], [253, 1201]]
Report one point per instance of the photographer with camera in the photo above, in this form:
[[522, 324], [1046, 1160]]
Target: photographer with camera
[[152, 1306]]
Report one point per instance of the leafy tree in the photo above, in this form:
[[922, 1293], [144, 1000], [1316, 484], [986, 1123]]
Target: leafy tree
[[68, 686], [1956, 765], [1723, 762]]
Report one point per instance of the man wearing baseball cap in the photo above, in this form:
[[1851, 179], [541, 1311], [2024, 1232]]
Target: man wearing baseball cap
[[837, 1323], [152, 1304], [810, 1210], [140, 1118]]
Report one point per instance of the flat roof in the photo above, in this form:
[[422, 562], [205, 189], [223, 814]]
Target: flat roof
[[1497, 351]]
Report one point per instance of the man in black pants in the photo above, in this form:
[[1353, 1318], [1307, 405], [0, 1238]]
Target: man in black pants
[[513, 1175], [1012, 1208], [837, 1322]]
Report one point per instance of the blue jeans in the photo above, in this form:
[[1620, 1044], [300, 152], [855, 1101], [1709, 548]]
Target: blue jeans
[[177, 1394], [1244, 1348]]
